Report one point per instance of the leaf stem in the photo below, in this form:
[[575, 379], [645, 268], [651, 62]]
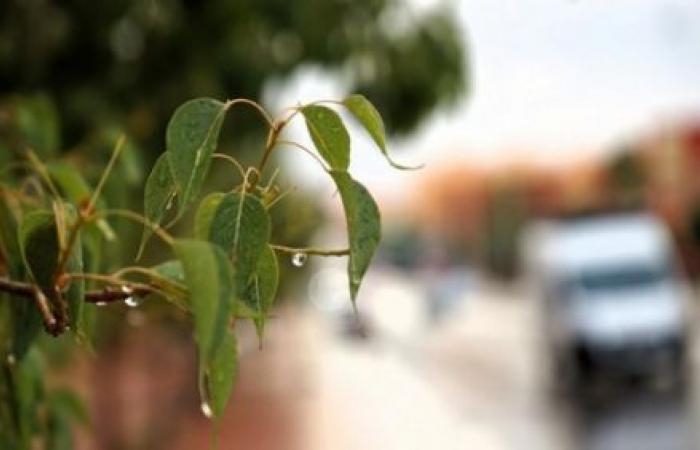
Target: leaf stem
[[85, 213], [157, 230], [311, 250], [306, 150], [232, 160], [118, 146], [256, 105], [40, 169], [106, 295]]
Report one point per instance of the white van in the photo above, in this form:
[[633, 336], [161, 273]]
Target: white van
[[614, 299]]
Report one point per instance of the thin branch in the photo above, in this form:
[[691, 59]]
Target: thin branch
[[41, 170], [118, 146], [232, 160], [104, 295], [311, 250], [110, 294], [280, 197], [157, 230], [255, 105], [306, 150]]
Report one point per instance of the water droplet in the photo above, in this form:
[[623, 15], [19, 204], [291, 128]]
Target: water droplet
[[101, 303], [132, 302], [11, 359], [299, 259], [206, 410], [127, 289]]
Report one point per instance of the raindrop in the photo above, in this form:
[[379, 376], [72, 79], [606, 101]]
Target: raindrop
[[299, 259], [127, 289], [132, 302], [206, 410]]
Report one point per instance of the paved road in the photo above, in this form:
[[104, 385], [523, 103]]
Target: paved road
[[473, 380], [476, 380]]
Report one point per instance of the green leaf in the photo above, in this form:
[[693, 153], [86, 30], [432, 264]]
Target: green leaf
[[159, 192], [171, 270], [262, 289], [39, 246], [191, 138], [365, 112], [71, 182], [24, 320], [169, 278], [329, 135], [76, 189], [209, 278], [38, 237], [239, 224], [222, 372], [364, 227], [75, 295], [205, 214]]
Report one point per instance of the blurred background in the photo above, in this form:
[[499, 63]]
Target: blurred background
[[536, 286]]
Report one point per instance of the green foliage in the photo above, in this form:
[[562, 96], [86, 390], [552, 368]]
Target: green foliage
[[191, 138], [158, 196], [371, 120], [364, 228], [226, 271], [329, 135]]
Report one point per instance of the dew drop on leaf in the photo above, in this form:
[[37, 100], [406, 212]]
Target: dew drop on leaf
[[206, 410], [299, 259]]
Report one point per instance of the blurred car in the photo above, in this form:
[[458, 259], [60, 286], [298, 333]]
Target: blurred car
[[615, 301]]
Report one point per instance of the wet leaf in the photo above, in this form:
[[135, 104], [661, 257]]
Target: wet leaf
[[239, 224], [365, 112], [262, 289], [159, 194], [329, 135], [364, 227], [76, 189], [209, 278], [38, 237], [191, 138], [222, 372], [169, 278]]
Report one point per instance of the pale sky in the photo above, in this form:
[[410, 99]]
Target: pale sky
[[550, 79]]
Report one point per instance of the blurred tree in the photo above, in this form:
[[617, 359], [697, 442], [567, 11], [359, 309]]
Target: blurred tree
[[134, 61]]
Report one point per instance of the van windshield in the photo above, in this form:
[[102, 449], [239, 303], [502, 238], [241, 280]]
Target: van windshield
[[622, 278]]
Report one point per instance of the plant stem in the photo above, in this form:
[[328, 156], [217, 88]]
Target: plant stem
[[255, 105], [105, 295], [311, 250]]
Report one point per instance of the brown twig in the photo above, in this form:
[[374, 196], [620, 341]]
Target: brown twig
[[105, 295]]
